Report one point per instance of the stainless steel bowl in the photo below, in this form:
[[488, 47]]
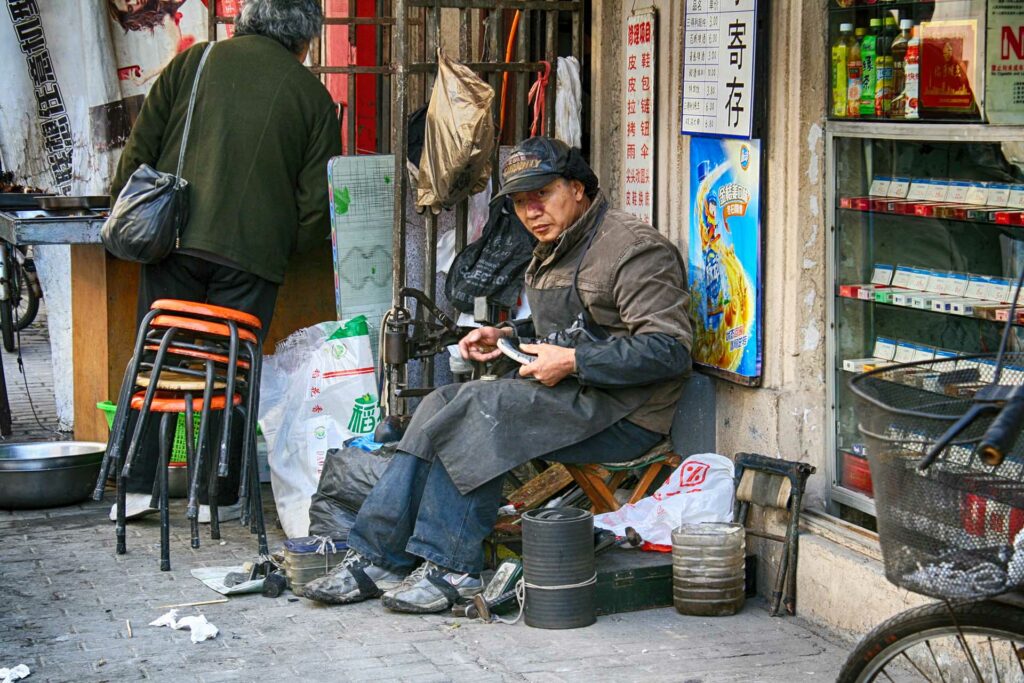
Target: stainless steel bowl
[[48, 474]]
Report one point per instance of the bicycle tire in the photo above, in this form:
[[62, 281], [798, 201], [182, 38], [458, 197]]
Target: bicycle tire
[[7, 325], [27, 315], [894, 637]]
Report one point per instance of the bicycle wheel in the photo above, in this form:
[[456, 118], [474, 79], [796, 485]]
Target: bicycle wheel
[[27, 305], [924, 644]]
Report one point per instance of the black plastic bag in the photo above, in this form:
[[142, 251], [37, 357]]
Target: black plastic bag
[[348, 476], [493, 266]]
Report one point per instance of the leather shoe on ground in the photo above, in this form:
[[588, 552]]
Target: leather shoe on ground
[[354, 580], [431, 588]]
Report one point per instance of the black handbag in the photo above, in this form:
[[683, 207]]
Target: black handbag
[[146, 221]]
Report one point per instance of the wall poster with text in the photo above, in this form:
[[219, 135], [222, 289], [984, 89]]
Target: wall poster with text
[[725, 255]]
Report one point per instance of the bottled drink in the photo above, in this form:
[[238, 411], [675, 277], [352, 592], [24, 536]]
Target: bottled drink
[[899, 57], [840, 75], [884, 68], [869, 73], [854, 75], [912, 76]]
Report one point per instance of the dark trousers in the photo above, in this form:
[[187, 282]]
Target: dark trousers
[[415, 511], [191, 278]]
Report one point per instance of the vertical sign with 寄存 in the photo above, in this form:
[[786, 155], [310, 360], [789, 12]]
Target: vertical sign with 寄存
[[724, 260], [638, 116], [719, 51]]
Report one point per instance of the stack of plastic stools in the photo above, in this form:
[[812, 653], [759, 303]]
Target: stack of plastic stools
[[190, 357]]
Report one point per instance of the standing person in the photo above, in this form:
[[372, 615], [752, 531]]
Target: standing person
[[262, 132], [608, 294]]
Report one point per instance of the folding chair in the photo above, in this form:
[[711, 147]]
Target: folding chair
[[779, 484]]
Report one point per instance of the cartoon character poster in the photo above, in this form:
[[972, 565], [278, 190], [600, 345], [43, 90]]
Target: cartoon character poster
[[725, 257]]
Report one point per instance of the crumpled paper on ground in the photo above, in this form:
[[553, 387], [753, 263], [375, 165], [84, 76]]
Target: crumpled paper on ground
[[14, 674], [200, 627]]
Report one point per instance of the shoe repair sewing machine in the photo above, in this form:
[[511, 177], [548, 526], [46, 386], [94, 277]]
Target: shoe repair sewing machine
[[405, 337]]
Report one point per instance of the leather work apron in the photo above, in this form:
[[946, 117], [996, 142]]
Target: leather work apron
[[482, 429]]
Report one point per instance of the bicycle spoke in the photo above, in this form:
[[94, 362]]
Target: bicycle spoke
[[887, 676], [1016, 656], [995, 666], [914, 664], [935, 660], [970, 656]]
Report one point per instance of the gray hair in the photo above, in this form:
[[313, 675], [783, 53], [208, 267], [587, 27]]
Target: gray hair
[[293, 23]]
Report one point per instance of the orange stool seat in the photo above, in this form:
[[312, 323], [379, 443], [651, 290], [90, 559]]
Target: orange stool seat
[[171, 403], [208, 310], [200, 355], [201, 326]]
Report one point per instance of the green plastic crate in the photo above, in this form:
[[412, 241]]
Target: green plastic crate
[[178, 452]]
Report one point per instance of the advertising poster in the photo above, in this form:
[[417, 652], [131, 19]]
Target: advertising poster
[[1004, 78], [638, 153], [724, 259]]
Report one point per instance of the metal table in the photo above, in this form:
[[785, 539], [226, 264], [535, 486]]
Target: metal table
[[22, 227]]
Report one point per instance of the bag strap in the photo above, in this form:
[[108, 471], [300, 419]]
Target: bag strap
[[191, 108]]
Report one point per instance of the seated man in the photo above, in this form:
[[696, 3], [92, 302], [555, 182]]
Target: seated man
[[608, 294]]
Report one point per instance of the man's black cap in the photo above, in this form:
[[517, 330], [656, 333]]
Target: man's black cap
[[534, 163]]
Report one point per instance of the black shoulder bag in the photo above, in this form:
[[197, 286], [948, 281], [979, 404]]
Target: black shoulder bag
[[145, 222]]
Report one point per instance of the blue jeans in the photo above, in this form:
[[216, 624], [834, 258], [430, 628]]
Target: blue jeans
[[416, 513]]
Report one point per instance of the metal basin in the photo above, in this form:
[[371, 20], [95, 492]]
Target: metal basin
[[49, 474]]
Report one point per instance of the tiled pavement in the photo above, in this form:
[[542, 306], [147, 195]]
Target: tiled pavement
[[66, 600]]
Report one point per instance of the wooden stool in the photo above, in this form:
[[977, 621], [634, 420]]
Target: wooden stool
[[599, 482]]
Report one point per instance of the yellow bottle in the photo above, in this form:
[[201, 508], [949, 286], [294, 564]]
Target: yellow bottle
[[840, 74]]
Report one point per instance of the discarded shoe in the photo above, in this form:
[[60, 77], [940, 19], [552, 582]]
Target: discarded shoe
[[354, 580], [431, 588], [135, 505], [225, 513]]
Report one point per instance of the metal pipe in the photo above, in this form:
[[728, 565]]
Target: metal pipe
[[350, 108], [400, 144], [429, 282], [551, 56], [378, 60]]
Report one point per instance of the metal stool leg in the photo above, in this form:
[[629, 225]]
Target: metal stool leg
[[190, 460], [192, 512], [167, 423]]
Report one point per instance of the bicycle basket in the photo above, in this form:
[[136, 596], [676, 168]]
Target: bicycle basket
[[952, 531]]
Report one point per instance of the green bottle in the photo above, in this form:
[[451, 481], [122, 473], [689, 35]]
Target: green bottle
[[869, 74]]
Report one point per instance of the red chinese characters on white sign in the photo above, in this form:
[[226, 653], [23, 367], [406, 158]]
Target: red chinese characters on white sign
[[638, 117]]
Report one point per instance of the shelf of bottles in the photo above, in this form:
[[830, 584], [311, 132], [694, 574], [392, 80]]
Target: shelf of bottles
[[906, 61]]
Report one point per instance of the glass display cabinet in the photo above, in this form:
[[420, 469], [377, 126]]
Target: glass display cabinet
[[927, 237]]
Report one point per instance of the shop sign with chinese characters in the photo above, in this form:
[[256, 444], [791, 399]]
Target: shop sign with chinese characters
[[638, 155], [718, 68]]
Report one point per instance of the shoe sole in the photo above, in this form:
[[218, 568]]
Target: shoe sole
[[395, 604], [348, 598]]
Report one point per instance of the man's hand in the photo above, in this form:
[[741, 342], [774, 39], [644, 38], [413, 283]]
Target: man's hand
[[481, 343], [553, 364]]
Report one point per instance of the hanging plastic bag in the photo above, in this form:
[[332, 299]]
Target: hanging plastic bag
[[317, 391], [700, 490], [568, 102], [493, 266], [459, 137]]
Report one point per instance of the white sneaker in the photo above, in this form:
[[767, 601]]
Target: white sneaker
[[225, 513], [135, 505]]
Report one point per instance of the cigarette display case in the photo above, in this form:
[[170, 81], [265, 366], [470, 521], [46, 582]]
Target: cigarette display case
[[927, 240]]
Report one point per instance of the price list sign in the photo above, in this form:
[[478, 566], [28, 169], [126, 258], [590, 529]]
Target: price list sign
[[718, 68], [638, 155]]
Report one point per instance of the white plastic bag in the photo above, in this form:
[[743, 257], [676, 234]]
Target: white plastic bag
[[700, 490], [318, 390], [568, 102]]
